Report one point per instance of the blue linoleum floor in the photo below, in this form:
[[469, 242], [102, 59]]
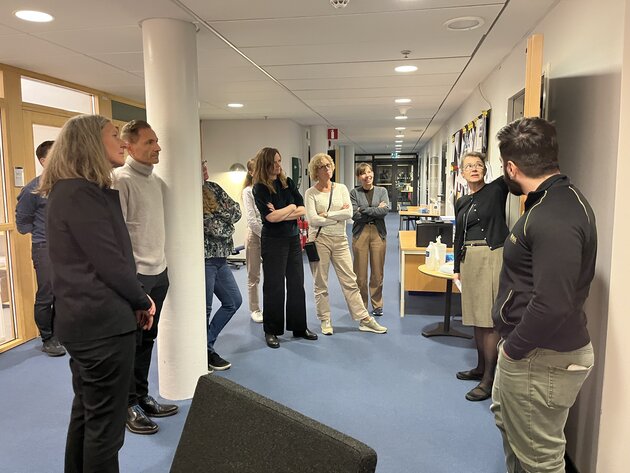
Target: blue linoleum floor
[[395, 392]]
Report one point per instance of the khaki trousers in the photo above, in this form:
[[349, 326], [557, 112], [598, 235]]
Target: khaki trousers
[[531, 398], [335, 250], [369, 251], [253, 261]]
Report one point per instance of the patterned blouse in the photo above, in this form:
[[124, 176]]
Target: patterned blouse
[[218, 227]]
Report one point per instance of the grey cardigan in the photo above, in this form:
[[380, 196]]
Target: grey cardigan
[[364, 214]]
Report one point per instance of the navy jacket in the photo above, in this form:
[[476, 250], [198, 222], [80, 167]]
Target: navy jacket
[[30, 212]]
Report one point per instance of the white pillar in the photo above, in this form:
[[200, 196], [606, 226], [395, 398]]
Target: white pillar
[[170, 71], [339, 165], [348, 164], [319, 139]]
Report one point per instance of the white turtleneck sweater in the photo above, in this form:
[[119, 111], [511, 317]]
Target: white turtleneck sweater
[[142, 206]]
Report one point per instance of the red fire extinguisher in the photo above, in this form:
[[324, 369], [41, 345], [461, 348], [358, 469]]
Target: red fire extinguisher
[[303, 228]]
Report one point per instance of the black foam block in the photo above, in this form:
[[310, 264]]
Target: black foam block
[[232, 429]]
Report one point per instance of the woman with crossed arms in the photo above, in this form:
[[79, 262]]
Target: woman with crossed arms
[[280, 205], [327, 210]]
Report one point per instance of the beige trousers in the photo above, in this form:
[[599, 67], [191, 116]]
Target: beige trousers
[[369, 252], [335, 250], [253, 260]]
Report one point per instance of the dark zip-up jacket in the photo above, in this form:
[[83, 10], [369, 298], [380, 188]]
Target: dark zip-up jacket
[[548, 266]]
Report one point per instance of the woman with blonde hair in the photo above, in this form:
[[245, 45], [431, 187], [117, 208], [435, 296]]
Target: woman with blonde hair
[[220, 213], [479, 235], [99, 301], [252, 244], [328, 209], [280, 205]]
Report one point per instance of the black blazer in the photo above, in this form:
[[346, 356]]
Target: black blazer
[[93, 271]]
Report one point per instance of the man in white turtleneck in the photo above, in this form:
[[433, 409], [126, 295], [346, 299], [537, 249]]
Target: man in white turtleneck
[[140, 191]]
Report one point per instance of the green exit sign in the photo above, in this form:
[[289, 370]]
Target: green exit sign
[[394, 155]]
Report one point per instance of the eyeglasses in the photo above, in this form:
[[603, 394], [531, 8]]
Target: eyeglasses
[[468, 167], [327, 166]]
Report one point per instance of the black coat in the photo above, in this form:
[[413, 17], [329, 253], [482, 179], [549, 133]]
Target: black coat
[[93, 271]]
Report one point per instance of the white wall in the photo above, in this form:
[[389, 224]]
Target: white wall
[[583, 45], [224, 142], [615, 404]]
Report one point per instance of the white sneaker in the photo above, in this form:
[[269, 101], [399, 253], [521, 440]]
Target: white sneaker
[[257, 316], [327, 328], [371, 326]]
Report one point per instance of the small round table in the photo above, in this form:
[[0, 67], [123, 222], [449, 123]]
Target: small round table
[[443, 328]]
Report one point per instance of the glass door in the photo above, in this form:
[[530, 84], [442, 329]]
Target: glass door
[[8, 326], [405, 188], [17, 278], [400, 179], [384, 177]]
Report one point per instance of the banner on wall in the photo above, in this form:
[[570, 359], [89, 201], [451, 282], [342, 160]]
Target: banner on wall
[[472, 137]]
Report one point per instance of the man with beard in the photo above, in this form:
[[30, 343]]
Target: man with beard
[[545, 353]]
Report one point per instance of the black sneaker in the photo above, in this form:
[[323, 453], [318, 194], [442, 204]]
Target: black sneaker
[[378, 311], [218, 363], [52, 347]]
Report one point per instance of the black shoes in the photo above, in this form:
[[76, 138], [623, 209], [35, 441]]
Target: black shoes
[[138, 422], [378, 311], [153, 408], [215, 362], [469, 375], [272, 340], [479, 393], [305, 334], [52, 347]]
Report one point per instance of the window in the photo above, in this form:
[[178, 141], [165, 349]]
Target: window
[[51, 95]]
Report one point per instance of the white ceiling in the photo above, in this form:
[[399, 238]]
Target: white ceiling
[[332, 66]]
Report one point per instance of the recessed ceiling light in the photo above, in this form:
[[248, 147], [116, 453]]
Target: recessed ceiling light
[[398, 141], [35, 16], [400, 117], [400, 128], [235, 105], [400, 135], [464, 23], [406, 68], [402, 100]]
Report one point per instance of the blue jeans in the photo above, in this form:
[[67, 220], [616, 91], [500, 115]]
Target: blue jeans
[[219, 281]]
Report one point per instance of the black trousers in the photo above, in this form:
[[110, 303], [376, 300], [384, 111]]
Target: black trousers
[[101, 370], [44, 309], [156, 287], [282, 264]]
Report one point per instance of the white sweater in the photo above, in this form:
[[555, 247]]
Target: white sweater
[[316, 202], [142, 206], [254, 222]]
